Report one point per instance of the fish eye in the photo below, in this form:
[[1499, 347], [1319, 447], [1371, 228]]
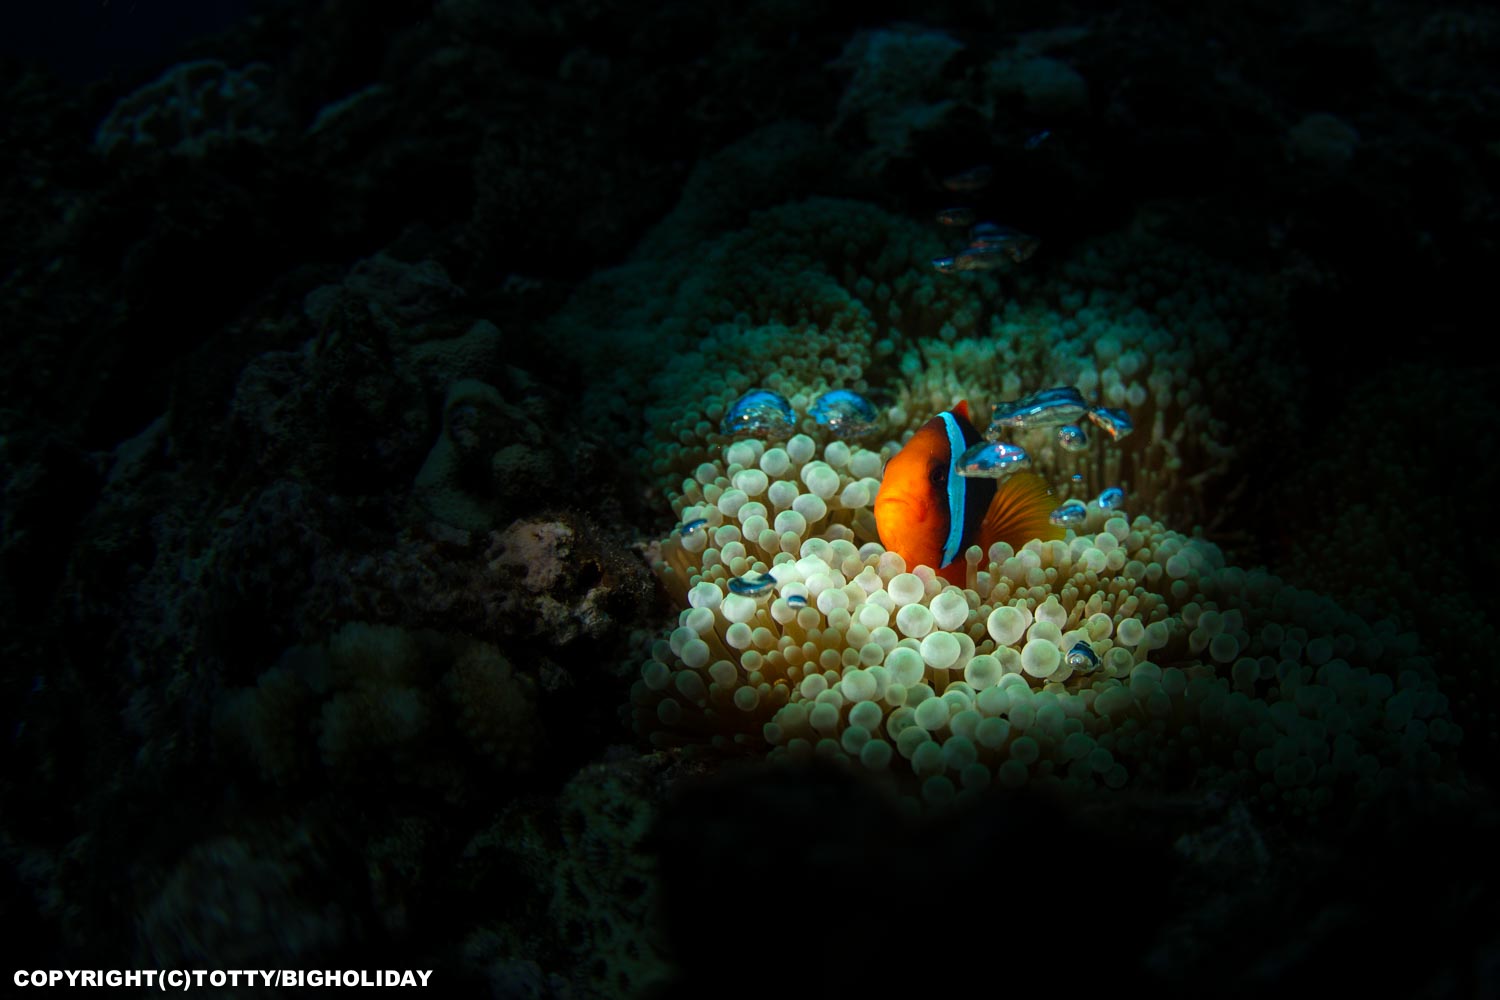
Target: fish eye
[[938, 476]]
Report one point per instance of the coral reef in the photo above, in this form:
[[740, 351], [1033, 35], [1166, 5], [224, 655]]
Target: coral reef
[[398, 294], [190, 109], [382, 703], [243, 900], [582, 869], [604, 898], [455, 478], [895, 79], [558, 584], [1047, 86]]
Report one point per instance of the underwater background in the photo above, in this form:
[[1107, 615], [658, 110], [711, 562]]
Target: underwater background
[[391, 576]]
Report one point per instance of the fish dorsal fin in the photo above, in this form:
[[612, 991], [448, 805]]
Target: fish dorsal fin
[[962, 409], [1018, 513]]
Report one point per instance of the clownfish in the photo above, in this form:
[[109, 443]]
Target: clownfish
[[930, 515]]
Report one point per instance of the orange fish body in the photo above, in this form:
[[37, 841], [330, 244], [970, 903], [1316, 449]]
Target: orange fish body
[[930, 515]]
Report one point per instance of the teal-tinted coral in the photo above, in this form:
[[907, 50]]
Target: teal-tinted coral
[[190, 109], [383, 703]]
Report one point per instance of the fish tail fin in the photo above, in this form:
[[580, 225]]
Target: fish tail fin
[[1018, 513]]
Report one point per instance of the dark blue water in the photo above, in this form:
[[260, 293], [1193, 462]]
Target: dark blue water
[[82, 40]]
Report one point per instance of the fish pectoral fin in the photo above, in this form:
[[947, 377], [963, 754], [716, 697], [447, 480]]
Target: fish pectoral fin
[[1018, 513]]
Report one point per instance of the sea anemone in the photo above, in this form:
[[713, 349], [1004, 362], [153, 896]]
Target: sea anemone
[[1206, 673]]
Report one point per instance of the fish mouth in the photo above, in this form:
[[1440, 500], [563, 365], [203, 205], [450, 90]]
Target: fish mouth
[[898, 505]]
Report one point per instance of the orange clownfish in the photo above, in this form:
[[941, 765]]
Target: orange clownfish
[[930, 515]]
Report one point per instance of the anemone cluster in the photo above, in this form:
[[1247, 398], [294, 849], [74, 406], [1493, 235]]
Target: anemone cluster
[[807, 297], [1139, 323], [826, 294], [1205, 673]]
